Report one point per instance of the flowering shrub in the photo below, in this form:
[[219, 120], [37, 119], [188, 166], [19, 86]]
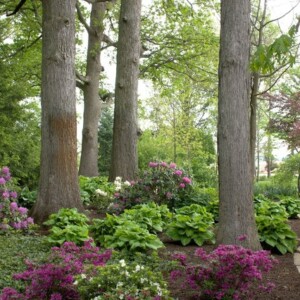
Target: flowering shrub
[[163, 183], [229, 272], [96, 191], [12, 216], [122, 280], [54, 280]]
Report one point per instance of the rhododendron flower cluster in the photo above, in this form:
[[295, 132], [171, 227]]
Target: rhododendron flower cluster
[[163, 183], [11, 215], [229, 272], [54, 280]]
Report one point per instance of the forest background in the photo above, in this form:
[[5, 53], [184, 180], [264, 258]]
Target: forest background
[[180, 111]]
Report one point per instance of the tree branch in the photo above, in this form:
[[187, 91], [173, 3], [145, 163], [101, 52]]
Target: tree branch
[[82, 78], [280, 75], [282, 16], [18, 7], [80, 85], [82, 19]]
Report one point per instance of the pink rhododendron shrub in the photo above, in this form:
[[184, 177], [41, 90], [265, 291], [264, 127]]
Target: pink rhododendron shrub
[[229, 272], [162, 183], [54, 279], [12, 216]]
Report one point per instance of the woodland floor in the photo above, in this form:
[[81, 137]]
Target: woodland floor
[[284, 274]]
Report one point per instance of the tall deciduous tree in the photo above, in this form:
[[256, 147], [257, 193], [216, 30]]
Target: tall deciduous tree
[[90, 87], [235, 178], [124, 151], [58, 179]]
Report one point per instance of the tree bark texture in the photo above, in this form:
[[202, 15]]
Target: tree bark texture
[[58, 186], [235, 170], [92, 101], [124, 151]]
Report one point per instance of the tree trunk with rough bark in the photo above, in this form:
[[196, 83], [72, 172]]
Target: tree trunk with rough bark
[[235, 170], [58, 185], [124, 151], [92, 101]]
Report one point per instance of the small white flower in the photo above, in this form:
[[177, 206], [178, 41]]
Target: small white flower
[[137, 268], [143, 280], [122, 263], [120, 284], [100, 192], [127, 183], [118, 188], [121, 296], [83, 276], [127, 274], [75, 282]]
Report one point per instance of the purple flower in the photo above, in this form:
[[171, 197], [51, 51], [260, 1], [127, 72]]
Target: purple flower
[[29, 220], [17, 225], [22, 210], [242, 237], [2, 180], [178, 172], [14, 206], [164, 164], [169, 195], [56, 296], [5, 170], [172, 165], [182, 185], [186, 180], [5, 195], [153, 164], [13, 195]]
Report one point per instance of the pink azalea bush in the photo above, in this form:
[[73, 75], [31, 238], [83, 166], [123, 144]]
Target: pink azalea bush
[[54, 280], [162, 183], [12, 216], [229, 272]]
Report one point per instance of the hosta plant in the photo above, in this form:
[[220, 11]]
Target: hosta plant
[[291, 205], [105, 227], [275, 233], [67, 225], [150, 216], [132, 237], [191, 224], [270, 208]]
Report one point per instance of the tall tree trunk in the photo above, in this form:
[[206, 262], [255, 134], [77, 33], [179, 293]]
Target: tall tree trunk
[[235, 177], [254, 92], [58, 186], [124, 151], [92, 101]]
